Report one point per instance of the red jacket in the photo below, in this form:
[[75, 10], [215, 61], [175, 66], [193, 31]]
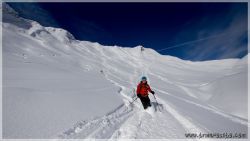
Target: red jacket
[[143, 89]]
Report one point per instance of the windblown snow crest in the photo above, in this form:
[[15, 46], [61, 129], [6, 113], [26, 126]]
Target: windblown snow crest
[[55, 86]]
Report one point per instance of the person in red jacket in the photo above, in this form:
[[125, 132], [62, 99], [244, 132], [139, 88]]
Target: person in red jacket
[[142, 92]]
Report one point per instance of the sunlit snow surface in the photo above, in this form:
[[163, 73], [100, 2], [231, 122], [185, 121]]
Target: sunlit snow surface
[[57, 87]]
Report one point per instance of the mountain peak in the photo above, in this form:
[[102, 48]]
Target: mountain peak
[[61, 34]]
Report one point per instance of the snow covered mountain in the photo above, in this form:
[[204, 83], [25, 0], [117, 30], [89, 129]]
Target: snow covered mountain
[[55, 86]]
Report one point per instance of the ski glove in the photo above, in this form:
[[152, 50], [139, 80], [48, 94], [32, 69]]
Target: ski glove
[[139, 95], [152, 92]]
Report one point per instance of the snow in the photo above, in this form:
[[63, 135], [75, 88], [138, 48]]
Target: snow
[[55, 86]]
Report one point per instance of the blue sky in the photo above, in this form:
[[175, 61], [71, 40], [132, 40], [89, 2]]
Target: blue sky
[[191, 31]]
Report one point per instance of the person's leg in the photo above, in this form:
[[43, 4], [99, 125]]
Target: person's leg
[[144, 103], [148, 101]]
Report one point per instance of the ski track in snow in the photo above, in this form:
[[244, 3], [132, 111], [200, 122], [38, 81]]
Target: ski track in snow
[[105, 126], [102, 127]]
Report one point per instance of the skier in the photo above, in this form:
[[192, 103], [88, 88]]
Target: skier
[[142, 92]]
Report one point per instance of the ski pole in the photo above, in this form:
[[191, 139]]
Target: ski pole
[[155, 99], [157, 104], [135, 98], [132, 101]]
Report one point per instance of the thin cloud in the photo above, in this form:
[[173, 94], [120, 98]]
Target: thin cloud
[[219, 36]]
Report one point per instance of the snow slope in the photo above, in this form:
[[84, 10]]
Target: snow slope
[[57, 87]]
